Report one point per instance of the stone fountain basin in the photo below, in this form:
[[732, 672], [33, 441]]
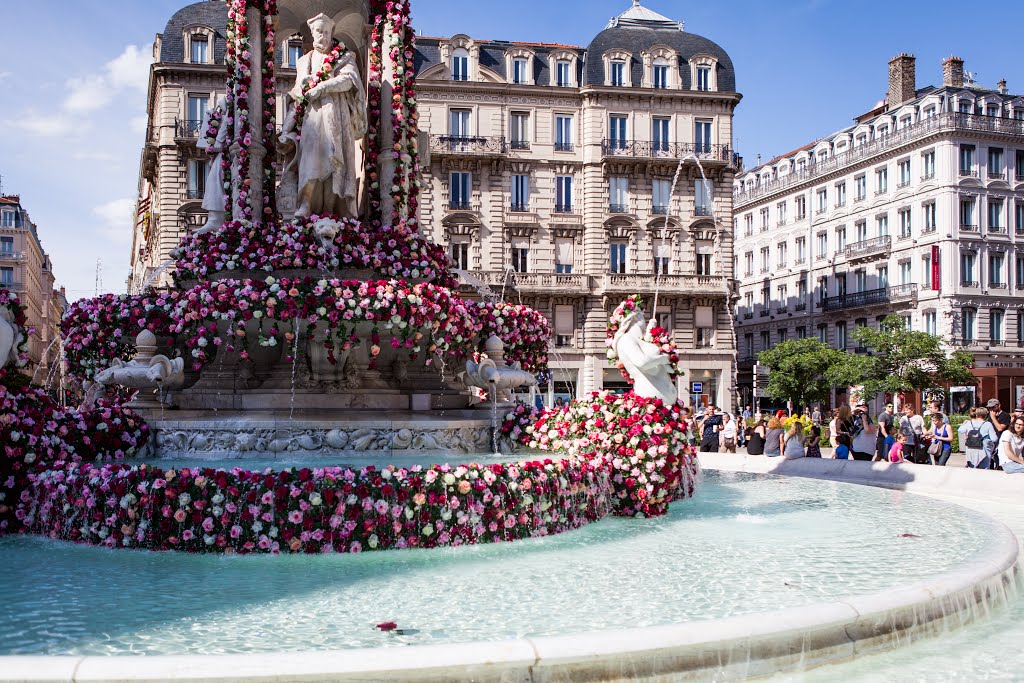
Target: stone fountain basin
[[732, 648]]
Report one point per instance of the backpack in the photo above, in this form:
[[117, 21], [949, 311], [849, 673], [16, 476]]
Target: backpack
[[974, 439]]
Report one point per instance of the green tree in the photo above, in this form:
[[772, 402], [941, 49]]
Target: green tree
[[901, 360], [801, 370]]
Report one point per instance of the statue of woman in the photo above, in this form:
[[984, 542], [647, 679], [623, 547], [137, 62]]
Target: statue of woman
[[10, 337], [650, 369], [320, 141], [213, 198]]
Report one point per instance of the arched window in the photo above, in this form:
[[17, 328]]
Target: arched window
[[460, 64], [198, 45]]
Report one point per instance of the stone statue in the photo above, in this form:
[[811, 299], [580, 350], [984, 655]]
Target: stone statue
[[10, 337], [146, 371], [492, 374], [320, 168], [213, 199], [644, 361]]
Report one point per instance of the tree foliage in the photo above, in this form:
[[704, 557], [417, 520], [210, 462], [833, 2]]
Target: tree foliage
[[901, 360], [801, 370]]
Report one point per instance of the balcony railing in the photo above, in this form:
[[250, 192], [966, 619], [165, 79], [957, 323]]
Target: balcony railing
[[195, 193], [465, 144], [781, 309], [12, 255], [564, 147], [618, 208], [871, 297], [968, 173], [970, 284], [695, 285], [645, 149], [876, 246], [701, 210], [187, 129], [459, 205], [997, 229], [13, 285], [966, 227], [550, 282], [519, 145], [658, 210], [998, 285], [748, 316], [948, 121], [960, 341], [519, 207], [997, 175], [764, 313], [996, 342], [563, 208], [800, 307]]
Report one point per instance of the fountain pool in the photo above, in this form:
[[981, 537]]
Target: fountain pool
[[748, 544]]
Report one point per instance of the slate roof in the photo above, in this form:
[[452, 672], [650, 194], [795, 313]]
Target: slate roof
[[637, 40], [212, 14], [492, 56]]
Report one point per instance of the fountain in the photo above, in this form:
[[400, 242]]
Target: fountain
[[307, 339]]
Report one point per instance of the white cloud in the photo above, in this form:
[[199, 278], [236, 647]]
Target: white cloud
[[138, 124], [88, 94], [115, 220], [4, 75], [44, 126], [130, 69]]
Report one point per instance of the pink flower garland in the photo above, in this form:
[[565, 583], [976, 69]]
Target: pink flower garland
[[656, 335]]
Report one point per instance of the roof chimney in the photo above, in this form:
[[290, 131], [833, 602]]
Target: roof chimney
[[1001, 86], [953, 72], [902, 79]]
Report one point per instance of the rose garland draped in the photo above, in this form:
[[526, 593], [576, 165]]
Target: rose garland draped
[[656, 335]]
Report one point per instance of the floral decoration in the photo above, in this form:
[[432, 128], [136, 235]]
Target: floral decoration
[[16, 311], [301, 102]]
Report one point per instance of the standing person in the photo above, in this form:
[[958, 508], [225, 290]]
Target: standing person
[[816, 416], [729, 432], [942, 433], [908, 429], [975, 435], [773, 440], [833, 429], [746, 414], [755, 444], [813, 442], [793, 442], [691, 427], [863, 432], [1011, 447], [709, 428], [886, 430], [1000, 422]]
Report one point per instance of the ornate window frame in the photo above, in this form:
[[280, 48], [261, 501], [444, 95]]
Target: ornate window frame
[[618, 55], [704, 59], [190, 32], [556, 56], [655, 53], [520, 53], [461, 42]]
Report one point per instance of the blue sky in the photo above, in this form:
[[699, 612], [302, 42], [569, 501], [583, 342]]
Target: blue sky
[[73, 115]]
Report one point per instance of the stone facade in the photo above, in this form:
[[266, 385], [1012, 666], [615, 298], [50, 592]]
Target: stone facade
[[845, 230], [672, 95], [26, 270]]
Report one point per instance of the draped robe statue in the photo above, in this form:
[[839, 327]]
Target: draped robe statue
[[644, 361], [320, 151], [213, 198]]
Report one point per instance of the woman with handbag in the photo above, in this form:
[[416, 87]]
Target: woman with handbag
[[940, 445], [728, 433]]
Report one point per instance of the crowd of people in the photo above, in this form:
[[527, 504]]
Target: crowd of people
[[991, 437]]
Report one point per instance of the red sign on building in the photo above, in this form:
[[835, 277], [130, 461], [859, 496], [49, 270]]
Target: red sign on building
[[936, 275]]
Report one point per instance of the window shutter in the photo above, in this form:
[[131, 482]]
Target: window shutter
[[705, 316], [564, 320]]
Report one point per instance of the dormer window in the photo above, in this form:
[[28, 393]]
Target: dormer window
[[200, 48], [704, 78], [294, 53], [618, 73], [562, 78], [460, 65], [519, 73], [661, 73]]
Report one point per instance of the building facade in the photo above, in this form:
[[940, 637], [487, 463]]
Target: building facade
[[917, 209], [26, 270], [548, 175], [550, 181]]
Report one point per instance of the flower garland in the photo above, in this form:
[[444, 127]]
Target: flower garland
[[654, 334], [16, 313], [268, 14], [242, 82], [397, 251], [337, 52], [215, 120], [315, 510], [643, 440], [525, 331]]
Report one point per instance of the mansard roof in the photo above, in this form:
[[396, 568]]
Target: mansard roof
[[213, 14]]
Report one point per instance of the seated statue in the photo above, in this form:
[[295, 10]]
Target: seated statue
[[650, 369], [322, 128]]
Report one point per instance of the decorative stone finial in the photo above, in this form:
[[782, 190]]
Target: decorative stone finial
[[495, 348], [145, 343]]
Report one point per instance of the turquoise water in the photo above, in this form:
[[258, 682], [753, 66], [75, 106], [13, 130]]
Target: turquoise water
[[743, 545]]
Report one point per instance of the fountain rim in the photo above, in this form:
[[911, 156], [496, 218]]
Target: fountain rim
[[748, 645]]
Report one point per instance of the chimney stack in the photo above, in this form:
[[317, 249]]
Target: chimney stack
[[953, 72], [1001, 86], [902, 79]]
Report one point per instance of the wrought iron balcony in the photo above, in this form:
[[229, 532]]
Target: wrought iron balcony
[[965, 342], [997, 175], [968, 173], [997, 229], [945, 122], [781, 309], [970, 284], [998, 285], [195, 193], [519, 207], [764, 314], [659, 210], [13, 285], [996, 342], [466, 144], [187, 129], [869, 248], [966, 227], [459, 205], [519, 145], [563, 208], [12, 255], [618, 208], [701, 210], [748, 315], [564, 147], [871, 297], [646, 149], [802, 306]]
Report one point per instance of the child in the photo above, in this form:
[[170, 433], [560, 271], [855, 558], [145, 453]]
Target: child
[[896, 452], [843, 447], [814, 443]]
